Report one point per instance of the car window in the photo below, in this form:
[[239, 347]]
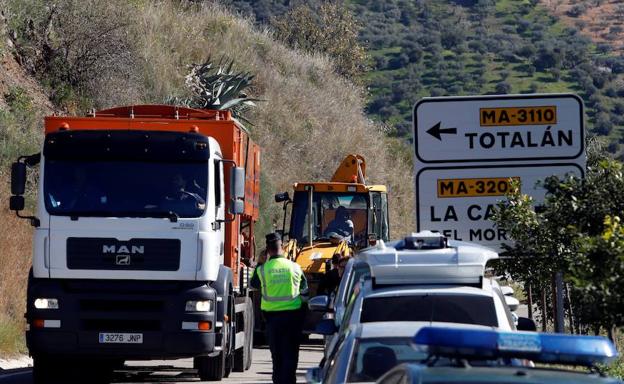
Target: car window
[[464, 309], [375, 357], [501, 305], [359, 270], [348, 313], [338, 361]]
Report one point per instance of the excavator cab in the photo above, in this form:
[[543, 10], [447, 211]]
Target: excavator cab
[[344, 209]]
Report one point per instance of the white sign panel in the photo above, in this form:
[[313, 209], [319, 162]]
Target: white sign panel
[[460, 201], [467, 149], [499, 128]]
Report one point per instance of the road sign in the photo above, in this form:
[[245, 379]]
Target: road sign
[[498, 128], [459, 201], [469, 149]]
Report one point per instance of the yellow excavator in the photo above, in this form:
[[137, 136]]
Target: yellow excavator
[[331, 218], [346, 215]]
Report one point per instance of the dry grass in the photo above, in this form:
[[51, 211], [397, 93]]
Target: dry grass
[[15, 260], [311, 117], [596, 21]]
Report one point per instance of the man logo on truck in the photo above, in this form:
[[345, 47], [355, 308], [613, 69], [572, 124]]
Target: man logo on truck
[[122, 260], [140, 249]]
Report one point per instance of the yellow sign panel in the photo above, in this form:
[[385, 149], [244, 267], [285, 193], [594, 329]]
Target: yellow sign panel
[[488, 186], [496, 117]]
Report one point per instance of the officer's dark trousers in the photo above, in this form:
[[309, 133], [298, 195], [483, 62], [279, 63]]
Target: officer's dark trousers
[[284, 335]]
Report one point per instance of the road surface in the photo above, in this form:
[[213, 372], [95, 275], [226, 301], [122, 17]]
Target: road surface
[[180, 371]]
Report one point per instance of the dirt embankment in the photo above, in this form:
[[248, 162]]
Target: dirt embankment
[[601, 20]]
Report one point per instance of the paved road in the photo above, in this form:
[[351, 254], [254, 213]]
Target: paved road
[[180, 371]]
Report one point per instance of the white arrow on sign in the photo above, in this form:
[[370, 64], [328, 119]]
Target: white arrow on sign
[[459, 201], [499, 128]]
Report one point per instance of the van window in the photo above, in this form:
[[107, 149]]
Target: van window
[[463, 309]]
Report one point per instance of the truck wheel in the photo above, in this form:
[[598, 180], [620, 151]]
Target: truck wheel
[[250, 332], [242, 356], [210, 368], [230, 336], [215, 368], [46, 370]]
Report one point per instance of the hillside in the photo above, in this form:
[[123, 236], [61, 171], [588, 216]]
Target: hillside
[[309, 119], [467, 47], [601, 20]]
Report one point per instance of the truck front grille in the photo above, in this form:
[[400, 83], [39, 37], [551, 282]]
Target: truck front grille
[[121, 305], [119, 325], [134, 254]]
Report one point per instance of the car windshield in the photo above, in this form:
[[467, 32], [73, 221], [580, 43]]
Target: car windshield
[[125, 188], [343, 214], [464, 309], [374, 357]]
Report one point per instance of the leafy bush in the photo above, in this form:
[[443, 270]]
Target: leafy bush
[[503, 88], [72, 43], [329, 29], [576, 10]]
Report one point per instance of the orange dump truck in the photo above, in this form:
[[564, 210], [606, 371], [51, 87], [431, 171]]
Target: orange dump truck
[[144, 230]]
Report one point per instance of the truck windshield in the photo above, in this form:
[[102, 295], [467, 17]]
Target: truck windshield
[[332, 213], [125, 188]]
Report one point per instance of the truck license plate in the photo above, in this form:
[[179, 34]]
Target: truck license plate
[[121, 338]]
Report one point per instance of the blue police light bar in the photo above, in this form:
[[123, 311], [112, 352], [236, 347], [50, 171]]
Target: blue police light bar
[[481, 344]]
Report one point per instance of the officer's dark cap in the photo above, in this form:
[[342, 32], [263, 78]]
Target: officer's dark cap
[[272, 237]]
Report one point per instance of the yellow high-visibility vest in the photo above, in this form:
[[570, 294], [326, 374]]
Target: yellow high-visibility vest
[[280, 279]]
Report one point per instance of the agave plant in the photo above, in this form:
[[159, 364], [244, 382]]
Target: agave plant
[[217, 87]]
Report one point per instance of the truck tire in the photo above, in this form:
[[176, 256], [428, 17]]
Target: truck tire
[[242, 356], [215, 368], [210, 368], [46, 370]]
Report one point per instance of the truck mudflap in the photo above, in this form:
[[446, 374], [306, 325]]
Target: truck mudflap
[[120, 319]]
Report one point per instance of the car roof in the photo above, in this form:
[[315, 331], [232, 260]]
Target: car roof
[[415, 290], [406, 329], [507, 374]]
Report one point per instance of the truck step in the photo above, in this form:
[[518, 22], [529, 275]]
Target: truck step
[[240, 340]]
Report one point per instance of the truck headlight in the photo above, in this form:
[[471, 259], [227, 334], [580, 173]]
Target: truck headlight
[[46, 303], [198, 306]]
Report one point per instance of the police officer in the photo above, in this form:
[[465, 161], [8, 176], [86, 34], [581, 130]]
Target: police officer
[[283, 288]]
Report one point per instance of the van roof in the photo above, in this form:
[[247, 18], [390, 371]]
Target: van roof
[[427, 258]]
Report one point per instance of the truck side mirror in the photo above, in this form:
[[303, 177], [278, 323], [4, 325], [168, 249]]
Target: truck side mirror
[[16, 203], [237, 190], [279, 197], [237, 207], [18, 178], [237, 177]]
